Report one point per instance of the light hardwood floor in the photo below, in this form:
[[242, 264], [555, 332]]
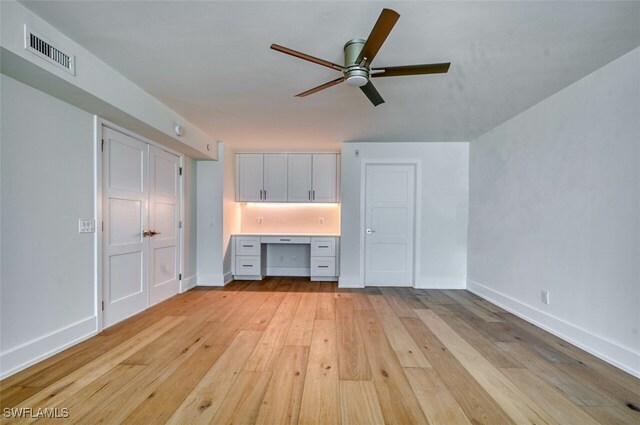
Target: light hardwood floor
[[288, 351]]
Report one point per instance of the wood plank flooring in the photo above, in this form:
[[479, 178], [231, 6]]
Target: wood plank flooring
[[290, 351]]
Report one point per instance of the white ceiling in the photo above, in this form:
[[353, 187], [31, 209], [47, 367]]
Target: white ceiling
[[211, 62]]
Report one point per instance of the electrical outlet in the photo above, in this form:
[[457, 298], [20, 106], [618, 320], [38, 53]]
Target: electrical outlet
[[544, 296], [86, 225], [260, 220], [294, 259], [321, 221]]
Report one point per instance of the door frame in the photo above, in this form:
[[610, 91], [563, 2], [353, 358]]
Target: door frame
[[98, 124], [416, 163]]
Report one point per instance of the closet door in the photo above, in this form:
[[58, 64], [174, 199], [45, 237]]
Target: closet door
[[164, 219], [125, 212]]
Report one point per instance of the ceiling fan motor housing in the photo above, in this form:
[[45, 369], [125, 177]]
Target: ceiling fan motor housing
[[355, 75]]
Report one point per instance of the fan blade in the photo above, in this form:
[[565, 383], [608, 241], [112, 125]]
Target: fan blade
[[373, 95], [306, 57], [321, 87], [379, 34], [397, 71]]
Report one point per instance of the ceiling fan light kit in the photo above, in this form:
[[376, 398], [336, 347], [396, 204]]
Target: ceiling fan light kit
[[358, 55]]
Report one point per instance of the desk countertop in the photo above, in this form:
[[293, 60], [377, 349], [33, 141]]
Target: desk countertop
[[288, 234]]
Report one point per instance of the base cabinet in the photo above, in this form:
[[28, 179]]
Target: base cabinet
[[251, 257]]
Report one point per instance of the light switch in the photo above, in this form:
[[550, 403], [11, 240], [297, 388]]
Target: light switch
[[86, 225]]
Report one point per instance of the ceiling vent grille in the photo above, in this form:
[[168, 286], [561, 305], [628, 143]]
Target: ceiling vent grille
[[38, 45]]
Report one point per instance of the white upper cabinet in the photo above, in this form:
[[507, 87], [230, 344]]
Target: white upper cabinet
[[249, 177], [324, 177], [275, 177], [282, 177], [299, 177]]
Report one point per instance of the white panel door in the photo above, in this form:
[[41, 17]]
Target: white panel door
[[325, 177], [125, 203], [389, 224], [164, 218], [299, 177], [275, 177], [249, 177]]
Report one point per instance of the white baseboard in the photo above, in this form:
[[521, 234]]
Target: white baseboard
[[440, 283], [31, 352], [346, 282], [188, 283], [619, 356], [213, 279], [228, 278]]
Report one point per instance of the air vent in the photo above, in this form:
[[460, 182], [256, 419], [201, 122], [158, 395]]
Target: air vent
[[38, 45]]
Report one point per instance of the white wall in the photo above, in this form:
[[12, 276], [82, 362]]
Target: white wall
[[95, 87], [47, 281], [218, 217], [555, 205], [190, 223], [443, 222]]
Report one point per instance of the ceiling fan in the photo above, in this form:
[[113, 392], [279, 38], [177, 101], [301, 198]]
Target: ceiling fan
[[358, 55]]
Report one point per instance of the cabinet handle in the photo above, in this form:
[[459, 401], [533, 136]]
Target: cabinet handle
[[247, 246], [247, 265], [265, 195], [309, 195], [323, 267], [323, 246], [314, 195], [261, 194], [285, 240]]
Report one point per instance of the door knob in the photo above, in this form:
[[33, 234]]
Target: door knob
[[146, 233], [370, 231], [153, 233]]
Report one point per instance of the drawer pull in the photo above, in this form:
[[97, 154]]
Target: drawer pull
[[285, 240], [247, 265], [323, 267], [323, 246], [247, 246]]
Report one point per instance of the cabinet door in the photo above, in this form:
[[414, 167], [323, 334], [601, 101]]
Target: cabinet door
[[249, 177], [325, 177], [299, 177], [275, 177]]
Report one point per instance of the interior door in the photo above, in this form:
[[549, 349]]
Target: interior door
[[125, 204], [389, 224], [164, 217]]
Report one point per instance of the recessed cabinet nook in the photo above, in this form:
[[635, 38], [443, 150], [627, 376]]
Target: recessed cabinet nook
[[286, 178]]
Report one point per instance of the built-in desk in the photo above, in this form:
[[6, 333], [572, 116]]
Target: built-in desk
[[255, 256]]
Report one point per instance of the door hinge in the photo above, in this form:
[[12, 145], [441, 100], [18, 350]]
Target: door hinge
[[102, 225], [180, 276], [102, 305], [180, 224], [180, 170], [102, 146]]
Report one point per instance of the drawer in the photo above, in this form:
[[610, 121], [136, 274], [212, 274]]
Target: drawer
[[323, 266], [323, 247], [247, 265], [247, 245], [286, 239]]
